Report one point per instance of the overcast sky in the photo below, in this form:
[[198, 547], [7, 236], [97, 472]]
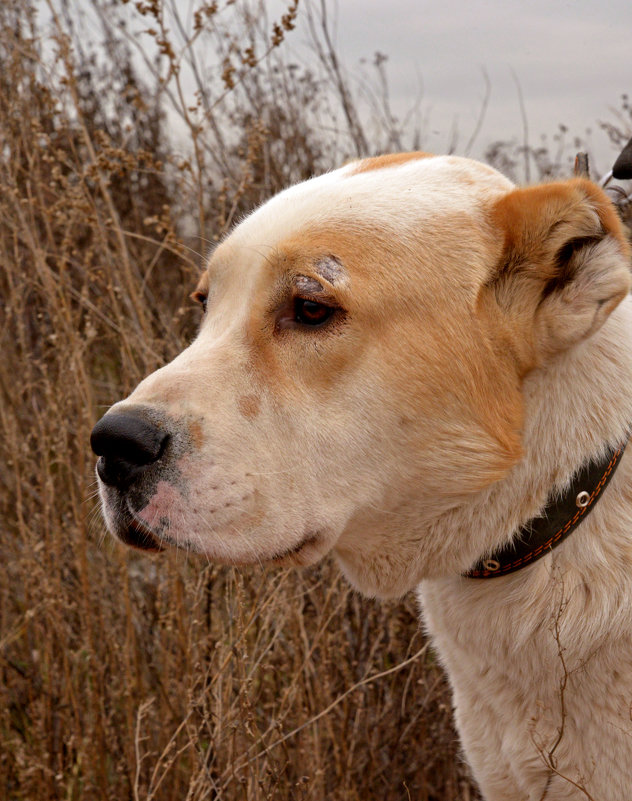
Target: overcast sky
[[572, 59]]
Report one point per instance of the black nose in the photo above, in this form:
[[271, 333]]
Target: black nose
[[127, 445]]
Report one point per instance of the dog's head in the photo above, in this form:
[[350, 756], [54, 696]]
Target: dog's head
[[358, 369]]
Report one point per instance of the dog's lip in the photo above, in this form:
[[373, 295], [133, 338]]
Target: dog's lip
[[310, 539], [139, 535]]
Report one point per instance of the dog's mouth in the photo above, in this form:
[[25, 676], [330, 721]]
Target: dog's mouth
[[290, 554], [138, 535]]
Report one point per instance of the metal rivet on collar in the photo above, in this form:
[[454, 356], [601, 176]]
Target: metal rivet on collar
[[491, 565], [583, 499]]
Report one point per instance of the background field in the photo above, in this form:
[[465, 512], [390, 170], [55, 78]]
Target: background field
[[124, 676]]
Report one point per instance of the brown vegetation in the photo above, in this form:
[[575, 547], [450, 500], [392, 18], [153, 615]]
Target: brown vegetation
[[123, 676]]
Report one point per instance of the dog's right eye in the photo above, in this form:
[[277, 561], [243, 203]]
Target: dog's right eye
[[310, 312], [306, 310], [201, 298]]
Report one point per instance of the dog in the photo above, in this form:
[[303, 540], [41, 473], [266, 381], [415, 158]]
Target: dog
[[416, 365]]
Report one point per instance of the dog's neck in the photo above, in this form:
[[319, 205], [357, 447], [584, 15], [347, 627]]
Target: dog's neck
[[575, 408], [591, 393], [542, 655], [577, 421]]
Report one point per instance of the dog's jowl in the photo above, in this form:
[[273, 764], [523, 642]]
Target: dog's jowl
[[416, 365]]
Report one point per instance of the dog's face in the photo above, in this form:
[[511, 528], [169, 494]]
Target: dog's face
[[356, 375]]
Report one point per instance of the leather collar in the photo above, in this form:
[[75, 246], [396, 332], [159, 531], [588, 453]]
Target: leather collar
[[559, 518]]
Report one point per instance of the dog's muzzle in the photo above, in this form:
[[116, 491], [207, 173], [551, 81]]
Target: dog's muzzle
[[134, 452]]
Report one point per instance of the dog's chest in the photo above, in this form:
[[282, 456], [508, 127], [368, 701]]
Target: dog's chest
[[528, 694]]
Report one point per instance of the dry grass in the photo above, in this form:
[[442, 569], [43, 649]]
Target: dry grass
[[123, 676]]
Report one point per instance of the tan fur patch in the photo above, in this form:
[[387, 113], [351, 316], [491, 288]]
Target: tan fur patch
[[390, 160], [197, 434], [527, 215], [377, 304], [249, 406]]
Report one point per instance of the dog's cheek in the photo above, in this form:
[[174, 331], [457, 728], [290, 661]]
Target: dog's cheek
[[167, 502]]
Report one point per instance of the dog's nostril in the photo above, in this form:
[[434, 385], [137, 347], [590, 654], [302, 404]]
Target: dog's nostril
[[126, 445]]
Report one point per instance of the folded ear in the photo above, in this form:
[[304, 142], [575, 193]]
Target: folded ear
[[564, 267]]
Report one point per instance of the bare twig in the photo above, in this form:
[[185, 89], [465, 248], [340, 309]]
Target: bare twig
[[526, 150], [482, 113], [329, 58], [335, 703]]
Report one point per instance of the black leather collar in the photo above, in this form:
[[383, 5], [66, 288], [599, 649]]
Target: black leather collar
[[558, 519]]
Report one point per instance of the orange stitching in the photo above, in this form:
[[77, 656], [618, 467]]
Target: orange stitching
[[532, 554]]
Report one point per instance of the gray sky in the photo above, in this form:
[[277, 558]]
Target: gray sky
[[572, 59]]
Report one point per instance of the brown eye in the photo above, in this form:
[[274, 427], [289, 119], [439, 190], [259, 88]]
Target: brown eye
[[309, 312]]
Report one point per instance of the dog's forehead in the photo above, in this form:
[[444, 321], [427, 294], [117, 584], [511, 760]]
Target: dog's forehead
[[378, 192], [384, 197]]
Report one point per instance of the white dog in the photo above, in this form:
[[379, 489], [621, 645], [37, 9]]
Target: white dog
[[415, 364]]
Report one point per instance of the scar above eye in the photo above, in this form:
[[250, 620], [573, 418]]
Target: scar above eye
[[309, 286], [330, 269]]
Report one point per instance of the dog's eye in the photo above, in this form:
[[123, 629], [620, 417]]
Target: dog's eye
[[309, 312], [201, 298]]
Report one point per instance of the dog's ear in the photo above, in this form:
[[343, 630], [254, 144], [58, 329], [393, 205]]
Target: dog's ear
[[564, 267]]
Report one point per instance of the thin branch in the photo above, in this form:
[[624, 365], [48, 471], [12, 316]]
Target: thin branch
[[335, 703], [525, 129], [482, 113], [329, 59]]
